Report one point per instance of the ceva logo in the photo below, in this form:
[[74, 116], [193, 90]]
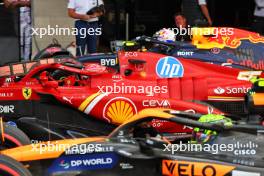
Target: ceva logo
[[219, 90], [169, 67]]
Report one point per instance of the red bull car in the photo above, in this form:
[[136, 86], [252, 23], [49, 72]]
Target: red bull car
[[62, 100], [136, 148], [219, 45]]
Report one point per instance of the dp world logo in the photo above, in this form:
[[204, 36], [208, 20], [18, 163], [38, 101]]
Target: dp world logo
[[169, 67], [64, 164]]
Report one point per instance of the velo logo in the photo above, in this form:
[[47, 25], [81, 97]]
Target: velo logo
[[169, 67]]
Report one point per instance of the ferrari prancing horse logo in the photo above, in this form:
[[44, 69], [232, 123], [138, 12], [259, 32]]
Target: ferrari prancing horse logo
[[27, 92]]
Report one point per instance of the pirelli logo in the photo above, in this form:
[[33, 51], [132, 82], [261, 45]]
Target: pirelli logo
[[185, 168]]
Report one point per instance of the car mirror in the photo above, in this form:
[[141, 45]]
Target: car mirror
[[145, 148], [43, 77]]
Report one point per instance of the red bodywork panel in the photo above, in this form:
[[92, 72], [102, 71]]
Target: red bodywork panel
[[116, 97]]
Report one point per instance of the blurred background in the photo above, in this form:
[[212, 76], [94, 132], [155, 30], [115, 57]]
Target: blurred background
[[124, 19]]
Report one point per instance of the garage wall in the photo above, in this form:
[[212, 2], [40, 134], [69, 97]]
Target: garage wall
[[9, 48], [51, 12]]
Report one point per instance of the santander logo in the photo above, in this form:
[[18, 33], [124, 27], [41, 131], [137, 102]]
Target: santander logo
[[219, 91]]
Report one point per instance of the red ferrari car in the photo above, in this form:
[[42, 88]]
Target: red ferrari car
[[67, 100]]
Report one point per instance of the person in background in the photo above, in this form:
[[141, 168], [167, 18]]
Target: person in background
[[258, 24], [25, 25], [196, 12], [181, 23], [78, 9]]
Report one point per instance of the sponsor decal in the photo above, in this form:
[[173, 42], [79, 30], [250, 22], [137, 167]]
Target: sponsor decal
[[185, 53], [92, 162], [131, 54], [10, 123], [7, 109], [108, 62], [119, 109], [219, 91], [215, 50], [185, 168], [156, 103], [64, 164], [84, 162], [27, 92], [8, 80], [69, 100], [29, 83], [88, 148], [126, 166], [245, 149], [232, 90], [127, 141], [243, 173], [244, 162], [6, 94], [248, 75], [259, 65], [117, 78], [169, 67], [95, 68]]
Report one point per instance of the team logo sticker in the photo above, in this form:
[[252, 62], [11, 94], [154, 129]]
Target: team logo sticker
[[178, 168], [27, 92], [97, 161], [219, 91], [119, 109], [169, 67], [64, 164]]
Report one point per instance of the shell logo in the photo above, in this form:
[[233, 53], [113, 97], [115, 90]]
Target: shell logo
[[119, 109]]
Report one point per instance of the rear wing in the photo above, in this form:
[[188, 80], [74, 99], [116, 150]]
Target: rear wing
[[22, 68]]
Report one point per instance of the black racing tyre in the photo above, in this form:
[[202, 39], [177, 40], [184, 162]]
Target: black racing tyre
[[13, 137], [11, 167]]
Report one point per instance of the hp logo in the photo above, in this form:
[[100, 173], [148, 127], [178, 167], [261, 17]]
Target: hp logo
[[169, 67]]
